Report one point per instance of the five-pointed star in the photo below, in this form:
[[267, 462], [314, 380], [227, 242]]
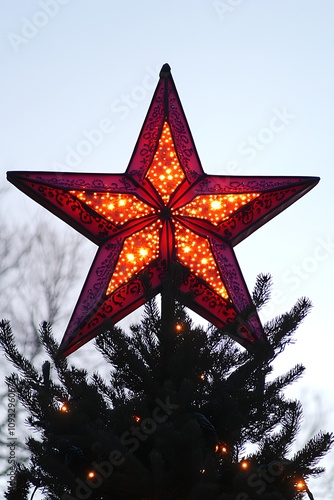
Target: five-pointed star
[[163, 210]]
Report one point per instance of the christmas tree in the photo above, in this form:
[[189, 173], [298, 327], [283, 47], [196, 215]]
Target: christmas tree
[[176, 418], [187, 412]]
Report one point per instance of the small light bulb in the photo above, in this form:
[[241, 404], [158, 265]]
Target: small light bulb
[[215, 205], [244, 464], [301, 485], [91, 474]]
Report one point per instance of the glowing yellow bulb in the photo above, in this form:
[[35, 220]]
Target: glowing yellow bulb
[[301, 485], [91, 474], [130, 256], [137, 419], [111, 206], [202, 377], [178, 327], [244, 465], [121, 203], [143, 252], [186, 249], [64, 408], [204, 261], [216, 204]]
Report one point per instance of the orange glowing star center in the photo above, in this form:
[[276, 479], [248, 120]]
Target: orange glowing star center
[[141, 247]]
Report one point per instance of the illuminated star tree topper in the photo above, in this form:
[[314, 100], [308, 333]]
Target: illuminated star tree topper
[[163, 211]]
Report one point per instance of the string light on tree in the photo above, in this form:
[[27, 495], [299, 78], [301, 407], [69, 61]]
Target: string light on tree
[[302, 486]]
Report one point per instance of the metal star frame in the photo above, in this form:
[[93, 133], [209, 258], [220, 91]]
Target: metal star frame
[[164, 209]]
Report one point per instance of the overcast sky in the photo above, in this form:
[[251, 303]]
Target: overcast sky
[[70, 65]]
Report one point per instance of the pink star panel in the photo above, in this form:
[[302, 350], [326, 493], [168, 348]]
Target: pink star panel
[[164, 209]]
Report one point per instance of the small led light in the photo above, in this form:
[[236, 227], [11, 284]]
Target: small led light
[[202, 377], [137, 419], [301, 485], [143, 252], [244, 465], [64, 408], [178, 327], [91, 474], [215, 205], [130, 256]]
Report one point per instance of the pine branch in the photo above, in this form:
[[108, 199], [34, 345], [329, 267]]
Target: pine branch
[[313, 451], [14, 356], [19, 490], [276, 446], [262, 290], [275, 387], [280, 330]]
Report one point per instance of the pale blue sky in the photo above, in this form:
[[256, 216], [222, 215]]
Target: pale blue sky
[[68, 65]]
